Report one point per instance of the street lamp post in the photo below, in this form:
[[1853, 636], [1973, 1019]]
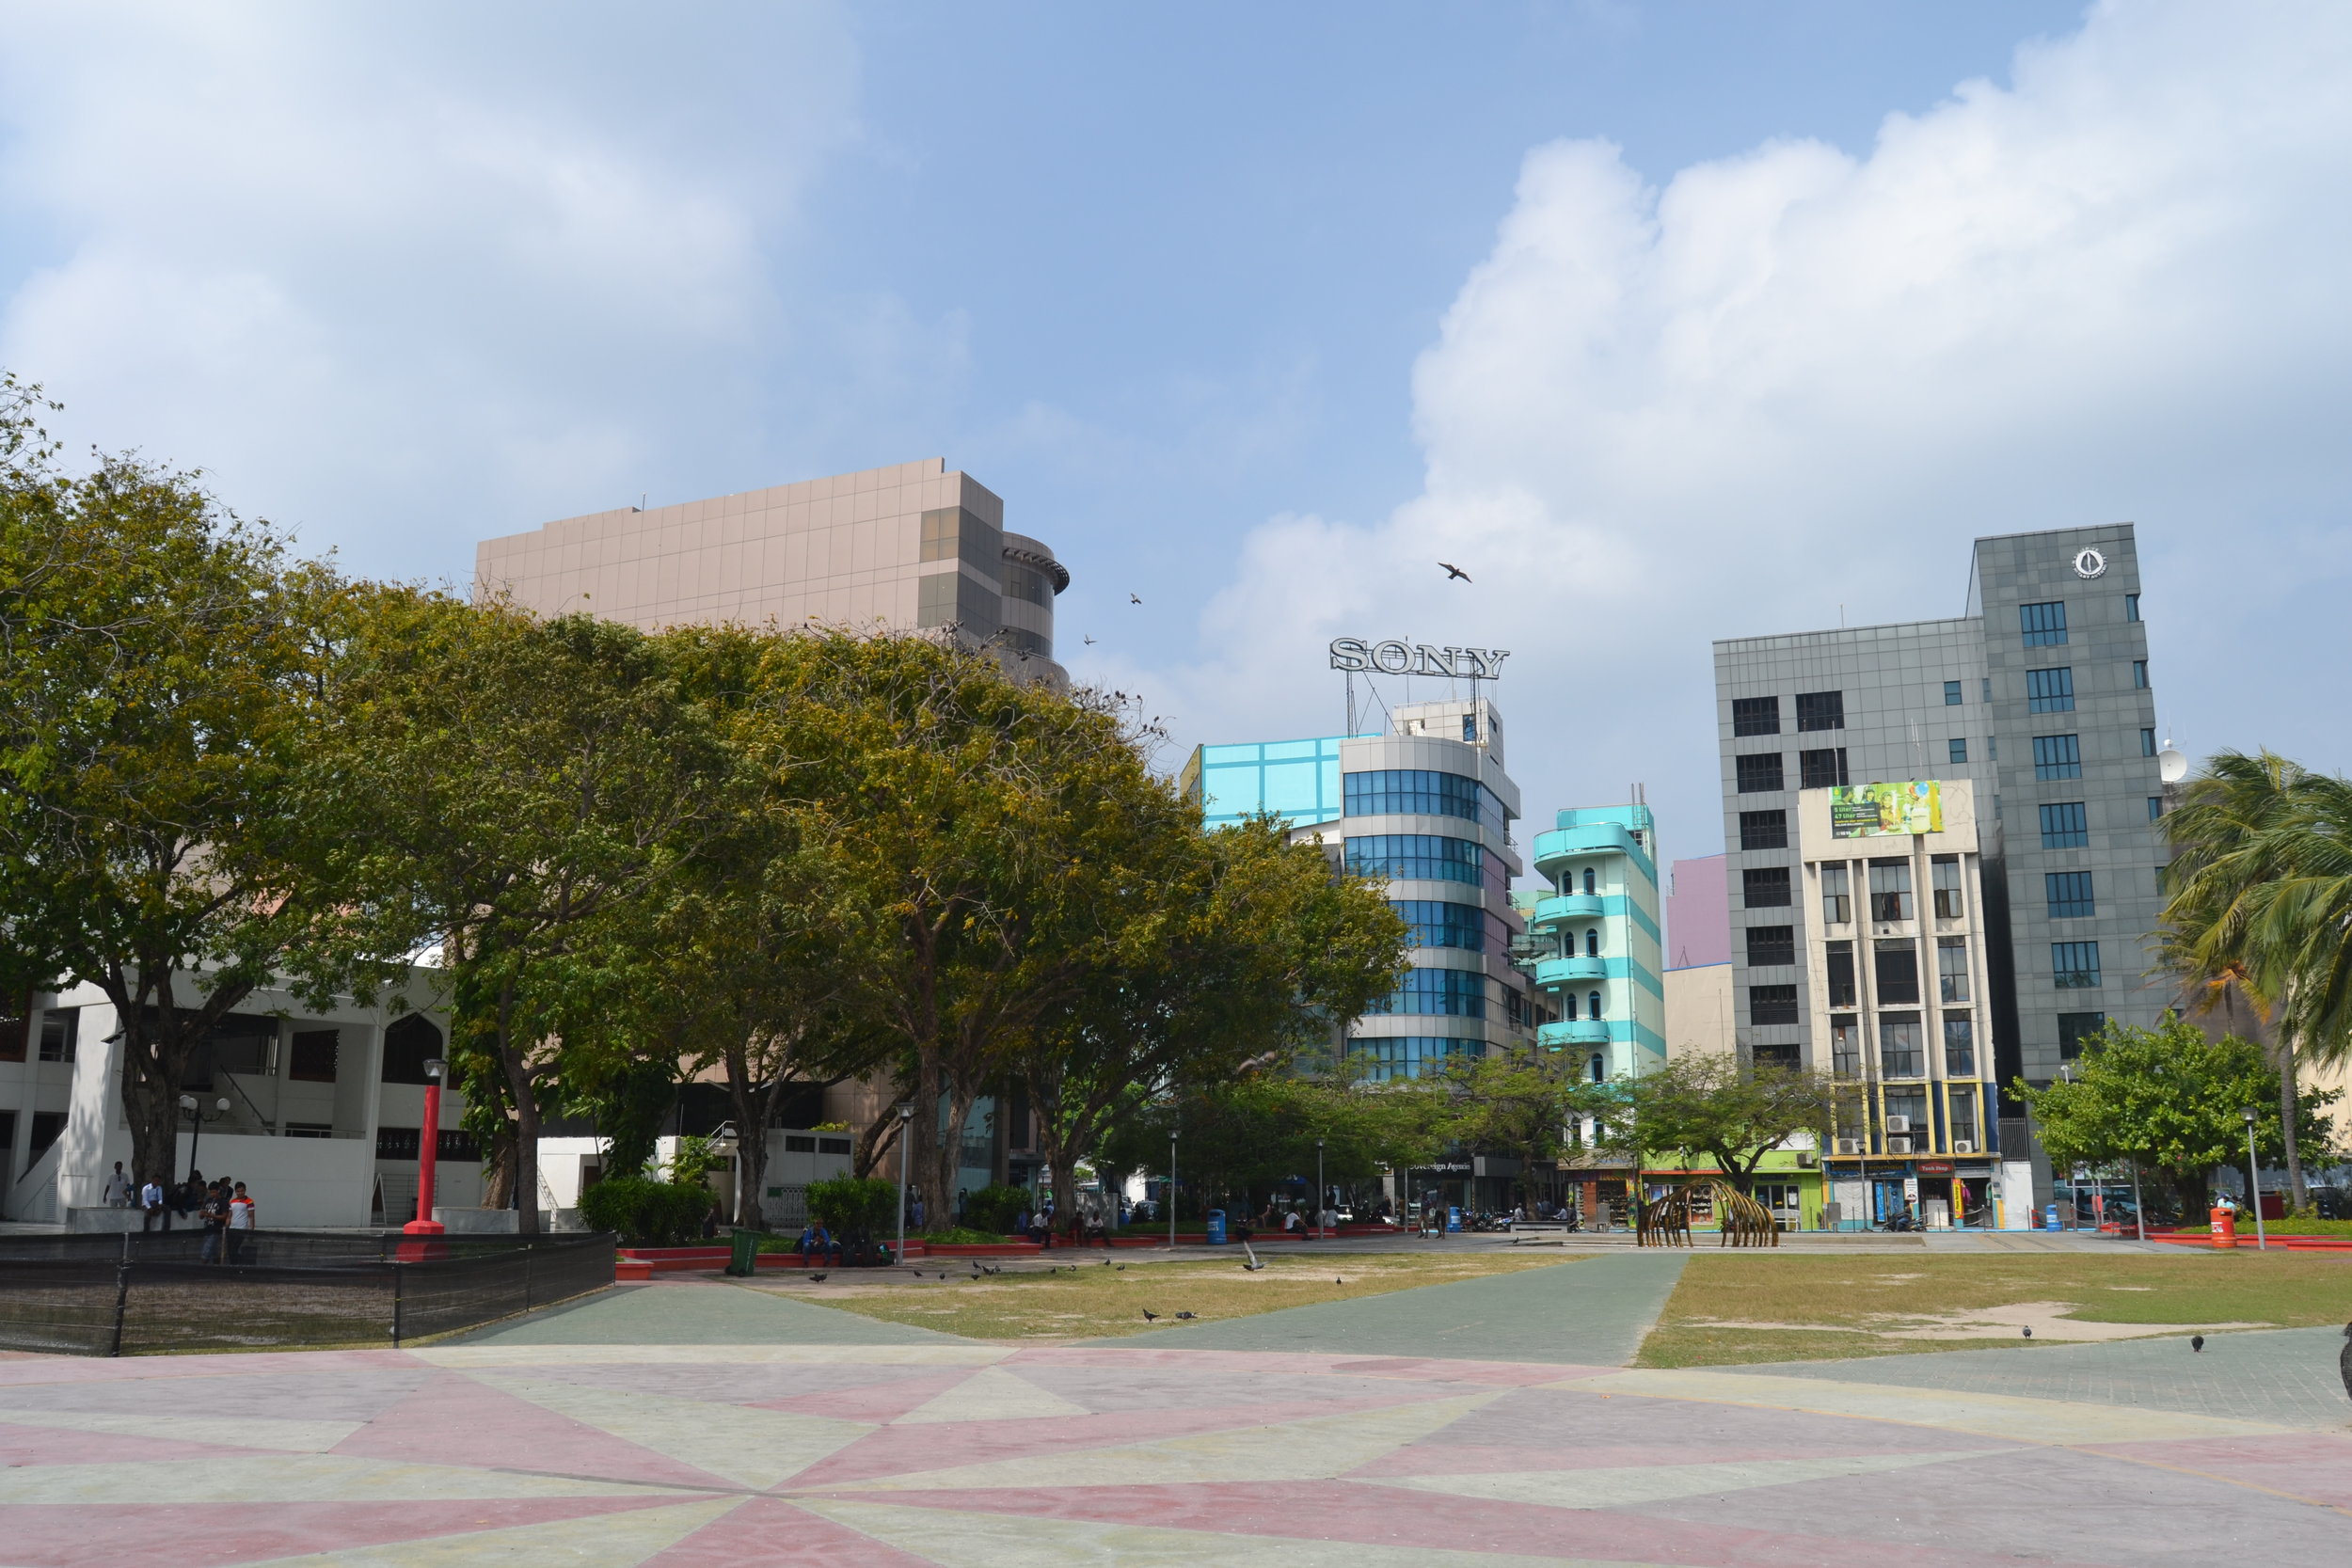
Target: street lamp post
[[1171, 1192], [906, 1119], [1319, 1193], [2253, 1183], [428, 1150], [196, 1124]]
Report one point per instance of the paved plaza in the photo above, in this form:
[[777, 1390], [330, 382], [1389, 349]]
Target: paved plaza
[[708, 1425]]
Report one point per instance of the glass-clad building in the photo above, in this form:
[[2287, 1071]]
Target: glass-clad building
[[1429, 807]]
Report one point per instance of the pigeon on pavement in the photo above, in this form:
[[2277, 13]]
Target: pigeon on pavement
[[2197, 1344], [817, 1279]]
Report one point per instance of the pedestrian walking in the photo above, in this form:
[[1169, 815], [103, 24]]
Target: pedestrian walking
[[240, 1226], [120, 1190]]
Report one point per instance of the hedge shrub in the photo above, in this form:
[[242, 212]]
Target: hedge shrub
[[995, 1209], [645, 1212], [851, 1206]]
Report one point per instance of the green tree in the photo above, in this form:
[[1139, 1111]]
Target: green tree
[[2171, 1098], [1709, 1106], [162, 668], [1516, 1103], [1207, 953], [2259, 900], [1239, 1139]]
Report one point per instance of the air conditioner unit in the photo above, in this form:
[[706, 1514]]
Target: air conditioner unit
[[1806, 1159], [1899, 1145], [1849, 1145], [1899, 1124], [1961, 1145]]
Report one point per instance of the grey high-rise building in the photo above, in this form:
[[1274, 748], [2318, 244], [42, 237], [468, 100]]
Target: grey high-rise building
[[2038, 696]]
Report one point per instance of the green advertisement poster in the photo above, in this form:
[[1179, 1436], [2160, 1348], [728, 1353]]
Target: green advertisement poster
[[1885, 809]]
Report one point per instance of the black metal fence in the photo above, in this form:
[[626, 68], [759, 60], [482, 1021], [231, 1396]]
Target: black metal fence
[[143, 1293]]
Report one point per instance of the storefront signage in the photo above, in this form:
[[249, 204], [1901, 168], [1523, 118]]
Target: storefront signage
[[1885, 809], [1392, 658], [1935, 1168]]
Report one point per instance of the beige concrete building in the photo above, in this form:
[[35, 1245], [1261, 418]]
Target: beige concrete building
[[913, 546]]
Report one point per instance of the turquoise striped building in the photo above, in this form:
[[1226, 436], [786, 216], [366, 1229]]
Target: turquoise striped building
[[1594, 944]]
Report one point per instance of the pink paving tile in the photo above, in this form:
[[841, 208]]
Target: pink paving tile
[[28, 1445], [83, 1369], [880, 1402], [1442, 1458], [1341, 1510], [2313, 1465], [769, 1532], [729, 1383], [205, 1535], [1271, 1363], [454, 1420], [897, 1451]]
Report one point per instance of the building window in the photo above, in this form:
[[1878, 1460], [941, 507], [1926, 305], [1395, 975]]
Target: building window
[[2147, 743], [1899, 1055], [2075, 1029], [408, 1044], [1755, 716], [1786, 1058], [2139, 675], [1837, 895], [58, 1028], [1768, 945], [1820, 710], [1991, 748], [1592, 945], [1845, 1046], [2058, 756], [1758, 774], [1944, 875], [1592, 1005], [1469, 727], [1890, 889], [1958, 749], [1416, 857], [2043, 624], [1951, 693], [1763, 829], [1952, 969], [2074, 965], [1771, 1004], [1393, 1057], [1436, 923], [1421, 792], [1964, 1104], [1764, 887], [1987, 683], [1448, 993], [2050, 691], [1820, 770], [15, 1030], [2065, 825], [1895, 967], [2069, 892], [1959, 1046], [1841, 982], [2131, 607], [2155, 807], [311, 1060]]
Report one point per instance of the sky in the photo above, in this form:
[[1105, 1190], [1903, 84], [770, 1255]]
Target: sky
[[1665, 322]]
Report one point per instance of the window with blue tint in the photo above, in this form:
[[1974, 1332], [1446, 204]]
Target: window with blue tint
[[1959, 750], [2076, 1030], [2069, 892], [2050, 691], [2131, 607], [2065, 825], [2155, 807], [1588, 881], [1592, 1005], [2074, 965], [1951, 693], [1391, 1056], [2147, 743], [1438, 924], [2139, 675], [1417, 857], [1592, 945], [2043, 624], [2058, 756], [1421, 792], [1469, 727], [1448, 993]]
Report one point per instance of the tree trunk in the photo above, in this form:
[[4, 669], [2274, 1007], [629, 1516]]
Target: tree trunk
[[156, 1058], [2290, 1107], [753, 1106], [517, 1069], [950, 1155], [875, 1141]]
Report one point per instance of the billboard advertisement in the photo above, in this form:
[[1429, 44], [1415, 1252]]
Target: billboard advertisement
[[1885, 809]]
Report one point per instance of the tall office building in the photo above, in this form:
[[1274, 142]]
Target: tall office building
[[2038, 696], [913, 546]]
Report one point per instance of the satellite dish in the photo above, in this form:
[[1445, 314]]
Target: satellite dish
[[2172, 767]]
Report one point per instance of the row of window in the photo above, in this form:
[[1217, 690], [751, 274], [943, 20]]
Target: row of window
[[1388, 1056], [1417, 857], [2044, 625], [1438, 923], [1816, 710], [1763, 772], [1769, 887], [58, 1028], [1902, 1047], [1894, 965], [2055, 756], [1422, 792]]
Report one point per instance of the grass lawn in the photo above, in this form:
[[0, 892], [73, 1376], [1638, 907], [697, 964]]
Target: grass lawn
[[1094, 1301], [1733, 1309]]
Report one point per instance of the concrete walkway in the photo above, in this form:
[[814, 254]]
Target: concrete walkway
[[1591, 1312], [698, 1313]]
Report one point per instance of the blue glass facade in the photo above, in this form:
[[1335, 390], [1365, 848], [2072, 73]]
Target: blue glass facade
[[1295, 780], [1388, 1057], [1417, 857]]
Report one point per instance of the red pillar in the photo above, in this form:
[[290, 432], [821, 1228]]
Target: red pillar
[[428, 1145]]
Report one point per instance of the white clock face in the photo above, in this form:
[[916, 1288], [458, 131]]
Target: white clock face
[[2089, 563]]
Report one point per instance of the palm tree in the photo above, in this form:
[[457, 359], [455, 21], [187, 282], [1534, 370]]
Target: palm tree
[[2259, 906]]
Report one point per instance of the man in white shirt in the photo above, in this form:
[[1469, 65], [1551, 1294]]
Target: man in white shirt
[[118, 1188], [151, 1201]]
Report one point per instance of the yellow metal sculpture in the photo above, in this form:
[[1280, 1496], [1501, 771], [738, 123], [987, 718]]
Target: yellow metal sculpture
[[1742, 1221]]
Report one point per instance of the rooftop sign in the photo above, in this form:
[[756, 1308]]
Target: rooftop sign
[[1393, 657]]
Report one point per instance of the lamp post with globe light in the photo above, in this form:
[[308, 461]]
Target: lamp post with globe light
[[428, 1147], [194, 1111]]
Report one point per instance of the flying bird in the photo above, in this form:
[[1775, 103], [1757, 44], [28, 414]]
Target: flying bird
[[1133, 599], [1452, 571], [2197, 1344], [1089, 642]]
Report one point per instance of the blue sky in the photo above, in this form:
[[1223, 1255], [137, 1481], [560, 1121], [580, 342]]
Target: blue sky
[[1671, 322]]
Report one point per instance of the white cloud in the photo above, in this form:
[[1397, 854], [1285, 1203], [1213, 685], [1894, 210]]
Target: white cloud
[[1791, 381], [402, 278]]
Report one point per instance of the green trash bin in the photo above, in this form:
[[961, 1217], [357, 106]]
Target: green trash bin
[[746, 1260]]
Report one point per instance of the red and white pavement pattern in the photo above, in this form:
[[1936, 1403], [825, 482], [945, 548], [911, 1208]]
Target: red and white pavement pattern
[[978, 1457]]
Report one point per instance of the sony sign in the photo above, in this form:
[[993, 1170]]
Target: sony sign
[[1392, 658]]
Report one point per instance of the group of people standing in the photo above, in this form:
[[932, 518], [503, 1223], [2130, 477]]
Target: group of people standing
[[222, 1207]]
